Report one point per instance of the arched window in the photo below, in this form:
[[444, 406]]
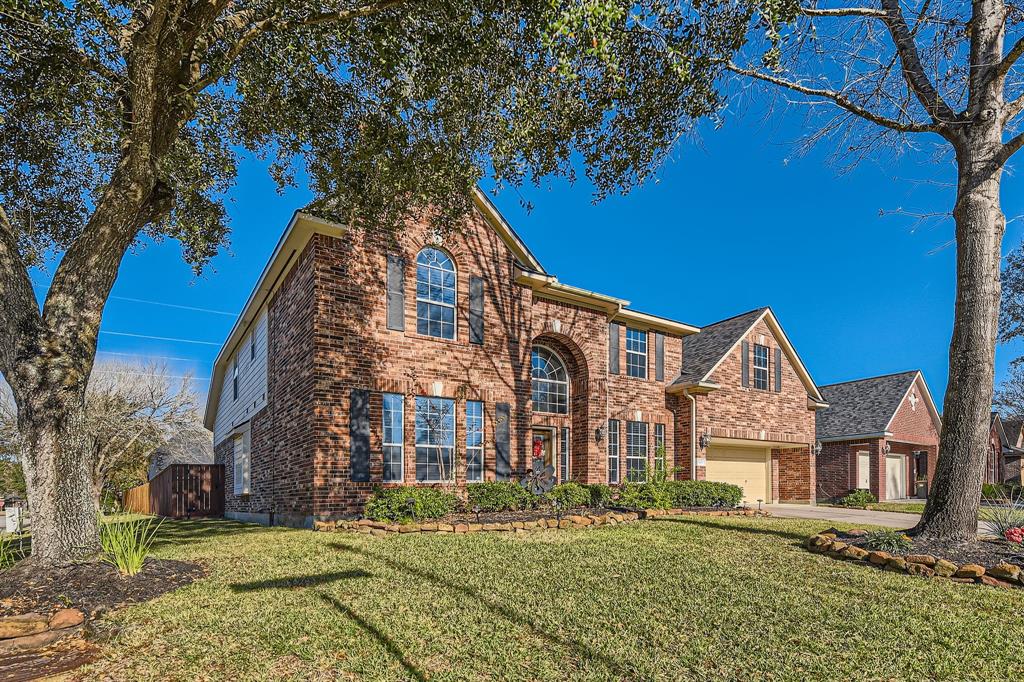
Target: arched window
[[550, 382], [435, 294]]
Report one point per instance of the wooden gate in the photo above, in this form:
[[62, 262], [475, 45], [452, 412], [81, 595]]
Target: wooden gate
[[180, 491]]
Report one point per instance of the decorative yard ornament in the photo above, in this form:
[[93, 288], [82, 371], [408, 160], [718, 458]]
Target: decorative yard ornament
[[540, 479]]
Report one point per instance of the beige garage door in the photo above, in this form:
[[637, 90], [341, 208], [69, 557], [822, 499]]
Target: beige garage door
[[745, 467]]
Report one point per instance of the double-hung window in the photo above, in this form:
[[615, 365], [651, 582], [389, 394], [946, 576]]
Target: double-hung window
[[435, 439], [435, 294], [234, 378], [659, 447], [393, 441], [240, 463], [474, 440], [636, 353], [760, 367], [613, 451], [636, 451]]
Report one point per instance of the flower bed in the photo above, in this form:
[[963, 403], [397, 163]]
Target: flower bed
[[528, 521], [1007, 571]]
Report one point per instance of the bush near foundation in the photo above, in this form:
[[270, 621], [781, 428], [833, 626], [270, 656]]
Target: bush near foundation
[[407, 503]]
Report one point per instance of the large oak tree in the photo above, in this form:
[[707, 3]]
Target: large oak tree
[[121, 120]]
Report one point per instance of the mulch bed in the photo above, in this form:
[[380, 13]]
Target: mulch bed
[[981, 552], [92, 586]]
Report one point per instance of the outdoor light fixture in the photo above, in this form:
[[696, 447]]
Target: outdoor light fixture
[[887, 449], [705, 440], [817, 448], [599, 434]]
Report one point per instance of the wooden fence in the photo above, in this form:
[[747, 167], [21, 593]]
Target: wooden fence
[[179, 491]]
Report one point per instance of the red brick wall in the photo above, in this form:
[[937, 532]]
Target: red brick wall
[[913, 423], [992, 457]]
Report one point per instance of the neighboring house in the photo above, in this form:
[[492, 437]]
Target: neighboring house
[[191, 446], [748, 406], [879, 434], [1003, 456], [364, 360]]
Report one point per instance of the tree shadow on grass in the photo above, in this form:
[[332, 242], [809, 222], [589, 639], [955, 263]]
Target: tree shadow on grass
[[583, 650], [299, 581], [377, 634], [717, 525], [173, 532]]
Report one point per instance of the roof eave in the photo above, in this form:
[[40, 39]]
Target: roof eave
[[693, 387]]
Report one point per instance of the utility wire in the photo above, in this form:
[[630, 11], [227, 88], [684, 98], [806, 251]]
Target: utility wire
[[160, 338]]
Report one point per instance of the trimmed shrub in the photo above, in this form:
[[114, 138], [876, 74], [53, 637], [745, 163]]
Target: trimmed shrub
[[498, 496], [393, 504], [569, 495], [891, 541], [858, 498], [644, 496], [994, 491], [703, 494], [600, 494]]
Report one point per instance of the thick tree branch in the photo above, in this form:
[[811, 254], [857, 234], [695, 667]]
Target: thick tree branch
[[913, 70], [840, 100], [1010, 148], [1010, 59], [843, 12], [19, 312]]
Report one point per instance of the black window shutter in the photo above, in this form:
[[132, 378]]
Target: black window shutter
[[359, 435], [778, 370], [745, 363], [502, 458], [476, 310], [659, 357], [613, 348], [396, 293]]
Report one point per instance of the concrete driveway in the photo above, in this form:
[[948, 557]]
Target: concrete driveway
[[841, 515], [855, 517]]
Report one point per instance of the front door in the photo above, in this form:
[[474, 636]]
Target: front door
[[543, 447]]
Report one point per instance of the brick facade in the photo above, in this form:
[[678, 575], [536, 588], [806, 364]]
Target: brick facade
[[328, 335]]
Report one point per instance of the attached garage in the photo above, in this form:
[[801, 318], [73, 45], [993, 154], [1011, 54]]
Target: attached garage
[[749, 468]]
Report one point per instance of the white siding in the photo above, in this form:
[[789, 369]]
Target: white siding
[[252, 382]]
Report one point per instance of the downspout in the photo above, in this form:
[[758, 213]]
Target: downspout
[[693, 434], [607, 409]]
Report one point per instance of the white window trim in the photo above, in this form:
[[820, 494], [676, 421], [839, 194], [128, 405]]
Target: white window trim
[[453, 306], [234, 378], [644, 458], [437, 447], [401, 443], [766, 368], [858, 469], [643, 365], [479, 448], [616, 457], [241, 458], [663, 443], [568, 384]]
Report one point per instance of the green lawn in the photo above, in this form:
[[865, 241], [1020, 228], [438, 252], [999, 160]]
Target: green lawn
[[672, 599], [902, 507]]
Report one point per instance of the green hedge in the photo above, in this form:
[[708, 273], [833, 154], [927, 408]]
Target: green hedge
[[498, 496], [857, 498], [704, 494], [644, 496], [392, 504], [569, 495], [600, 494]]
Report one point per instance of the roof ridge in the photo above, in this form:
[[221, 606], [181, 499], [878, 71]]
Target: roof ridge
[[737, 316], [880, 376]]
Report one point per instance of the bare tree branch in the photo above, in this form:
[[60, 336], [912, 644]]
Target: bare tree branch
[[839, 99], [913, 69], [1010, 59], [843, 12]]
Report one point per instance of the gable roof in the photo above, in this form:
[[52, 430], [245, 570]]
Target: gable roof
[[1012, 427], [866, 407], [704, 352]]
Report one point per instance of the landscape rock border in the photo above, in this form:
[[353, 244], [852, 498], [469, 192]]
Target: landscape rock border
[[33, 631], [1003, 575], [610, 518]]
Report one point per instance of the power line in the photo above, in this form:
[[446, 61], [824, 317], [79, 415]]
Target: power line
[[160, 338], [43, 287], [145, 356], [150, 374]]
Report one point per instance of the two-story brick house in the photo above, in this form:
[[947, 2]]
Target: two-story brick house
[[365, 360]]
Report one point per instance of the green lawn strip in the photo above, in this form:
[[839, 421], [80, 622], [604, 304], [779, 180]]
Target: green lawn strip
[[904, 507], [689, 598]]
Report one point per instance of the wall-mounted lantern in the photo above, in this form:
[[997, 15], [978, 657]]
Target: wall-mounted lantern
[[705, 440], [817, 448], [599, 434]]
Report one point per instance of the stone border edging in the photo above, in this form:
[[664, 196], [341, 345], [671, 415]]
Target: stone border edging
[[1004, 575], [611, 518], [32, 631]]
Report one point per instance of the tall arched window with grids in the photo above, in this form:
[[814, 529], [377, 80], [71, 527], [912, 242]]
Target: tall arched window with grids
[[435, 294], [550, 382]]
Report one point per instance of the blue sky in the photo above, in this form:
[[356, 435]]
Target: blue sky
[[734, 222]]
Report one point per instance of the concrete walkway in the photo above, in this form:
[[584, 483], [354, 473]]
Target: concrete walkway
[[864, 517]]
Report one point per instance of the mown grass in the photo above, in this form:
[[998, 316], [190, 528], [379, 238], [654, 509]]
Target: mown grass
[[673, 599], [901, 507]]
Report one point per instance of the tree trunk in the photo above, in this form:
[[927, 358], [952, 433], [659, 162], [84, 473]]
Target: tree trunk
[[951, 512], [55, 458]]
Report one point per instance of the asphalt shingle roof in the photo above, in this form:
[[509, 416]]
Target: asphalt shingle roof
[[863, 406], [701, 351]]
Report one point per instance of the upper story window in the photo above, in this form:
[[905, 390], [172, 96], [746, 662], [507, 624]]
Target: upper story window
[[234, 378], [550, 382], [435, 294], [636, 353], [760, 367]]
